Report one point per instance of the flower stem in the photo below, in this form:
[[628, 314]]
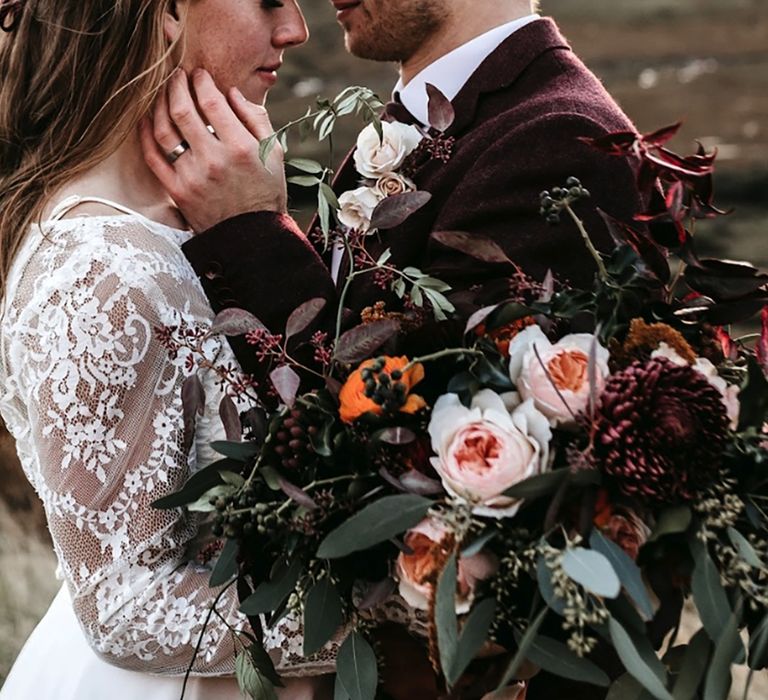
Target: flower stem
[[450, 352], [588, 242]]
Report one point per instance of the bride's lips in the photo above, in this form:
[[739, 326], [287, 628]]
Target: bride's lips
[[344, 8], [269, 73]]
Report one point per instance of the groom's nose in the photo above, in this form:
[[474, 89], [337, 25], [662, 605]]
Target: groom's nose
[[290, 27]]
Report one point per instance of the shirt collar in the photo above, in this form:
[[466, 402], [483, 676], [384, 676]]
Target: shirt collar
[[449, 73]]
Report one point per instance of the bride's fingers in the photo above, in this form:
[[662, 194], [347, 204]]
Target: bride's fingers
[[165, 132], [255, 117], [218, 113], [154, 156], [183, 112]]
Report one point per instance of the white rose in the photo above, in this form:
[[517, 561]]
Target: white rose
[[392, 184], [556, 376], [729, 392], [357, 206], [484, 450], [375, 157]]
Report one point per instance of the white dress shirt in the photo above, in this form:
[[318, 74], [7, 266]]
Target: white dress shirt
[[450, 73]]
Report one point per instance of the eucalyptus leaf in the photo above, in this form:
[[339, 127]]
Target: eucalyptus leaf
[[251, 681], [640, 660], [727, 651], [305, 165], [446, 621], [593, 571], [672, 521], [269, 595], [629, 573], [226, 566], [198, 484], [474, 634], [708, 593], [522, 649], [627, 688], [240, 451], [357, 668], [378, 522], [693, 668], [557, 658], [746, 550], [339, 692], [323, 615], [539, 485], [758, 646], [547, 590]]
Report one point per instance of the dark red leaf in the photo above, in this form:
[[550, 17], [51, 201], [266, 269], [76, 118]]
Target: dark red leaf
[[396, 436], [736, 311], [361, 342], [394, 210], [473, 244], [193, 405], [415, 482], [693, 166], [286, 383], [620, 143], [302, 317], [385, 474], [236, 322], [333, 386], [761, 351], [729, 348], [479, 317], [230, 419], [650, 253], [724, 280], [440, 110], [675, 203], [661, 136], [296, 494]]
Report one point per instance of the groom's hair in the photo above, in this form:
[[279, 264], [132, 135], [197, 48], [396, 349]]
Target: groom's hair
[[77, 77]]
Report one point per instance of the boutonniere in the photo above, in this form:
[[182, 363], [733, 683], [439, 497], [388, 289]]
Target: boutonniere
[[386, 157]]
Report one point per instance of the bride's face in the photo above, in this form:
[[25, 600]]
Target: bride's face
[[239, 42]]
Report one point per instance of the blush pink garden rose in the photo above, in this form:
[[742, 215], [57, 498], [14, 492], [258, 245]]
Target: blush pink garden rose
[[376, 156], [729, 392], [430, 542], [557, 379], [356, 207], [484, 450]]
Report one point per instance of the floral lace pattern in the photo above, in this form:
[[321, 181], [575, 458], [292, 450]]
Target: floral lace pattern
[[93, 401]]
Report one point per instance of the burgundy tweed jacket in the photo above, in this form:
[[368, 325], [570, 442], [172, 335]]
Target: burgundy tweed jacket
[[517, 124], [517, 128]]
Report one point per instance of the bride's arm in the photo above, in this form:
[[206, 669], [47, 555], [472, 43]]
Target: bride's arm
[[103, 397]]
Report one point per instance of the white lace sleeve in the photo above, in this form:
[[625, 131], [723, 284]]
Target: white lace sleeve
[[93, 400]]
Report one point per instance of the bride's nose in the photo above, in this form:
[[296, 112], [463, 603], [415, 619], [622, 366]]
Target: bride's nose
[[290, 28]]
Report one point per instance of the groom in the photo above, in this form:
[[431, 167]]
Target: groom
[[522, 100]]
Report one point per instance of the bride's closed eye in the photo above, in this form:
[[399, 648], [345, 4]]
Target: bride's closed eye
[[271, 4]]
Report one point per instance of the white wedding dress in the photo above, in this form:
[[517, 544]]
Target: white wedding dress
[[93, 400]]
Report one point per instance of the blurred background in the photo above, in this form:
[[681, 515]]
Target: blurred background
[[701, 61]]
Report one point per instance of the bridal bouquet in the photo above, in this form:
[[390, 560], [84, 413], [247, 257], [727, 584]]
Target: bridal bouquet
[[553, 482]]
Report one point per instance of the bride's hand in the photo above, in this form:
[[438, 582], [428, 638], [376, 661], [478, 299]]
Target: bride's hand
[[213, 176]]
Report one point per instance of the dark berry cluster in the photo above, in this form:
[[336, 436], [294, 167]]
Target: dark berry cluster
[[384, 389], [553, 203], [243, 513], [292, 439]]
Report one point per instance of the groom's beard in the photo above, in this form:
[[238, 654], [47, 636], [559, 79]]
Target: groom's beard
[[393, 30]]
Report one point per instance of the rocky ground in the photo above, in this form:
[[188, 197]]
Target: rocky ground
[[705, 61]]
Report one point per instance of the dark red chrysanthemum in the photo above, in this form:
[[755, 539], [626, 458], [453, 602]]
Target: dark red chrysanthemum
[[661, 431]]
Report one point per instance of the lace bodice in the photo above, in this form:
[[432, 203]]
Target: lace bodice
[[93, 401]]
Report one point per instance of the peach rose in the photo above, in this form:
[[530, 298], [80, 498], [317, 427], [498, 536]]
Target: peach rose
[[430, 541], [556, 376], [392, 184], [486, 449], [376, 156], [354, 402], [621, 525]]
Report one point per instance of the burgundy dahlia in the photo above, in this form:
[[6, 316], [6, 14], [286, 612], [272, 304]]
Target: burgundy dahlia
[[661, 431]]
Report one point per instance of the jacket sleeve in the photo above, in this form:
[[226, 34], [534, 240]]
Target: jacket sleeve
[[263, 263]]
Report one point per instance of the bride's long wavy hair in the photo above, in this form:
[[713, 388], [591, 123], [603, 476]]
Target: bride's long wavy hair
[[76, 77]]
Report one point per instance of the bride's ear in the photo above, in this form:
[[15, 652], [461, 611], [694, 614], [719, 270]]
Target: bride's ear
[[173, 20]]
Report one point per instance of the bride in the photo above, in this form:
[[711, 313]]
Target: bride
[[90, 265]]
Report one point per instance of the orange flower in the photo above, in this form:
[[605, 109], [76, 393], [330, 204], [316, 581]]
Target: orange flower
[[355, 403], [503, 336]]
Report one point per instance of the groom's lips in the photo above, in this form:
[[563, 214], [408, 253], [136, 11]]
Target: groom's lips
[[345, 7]]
